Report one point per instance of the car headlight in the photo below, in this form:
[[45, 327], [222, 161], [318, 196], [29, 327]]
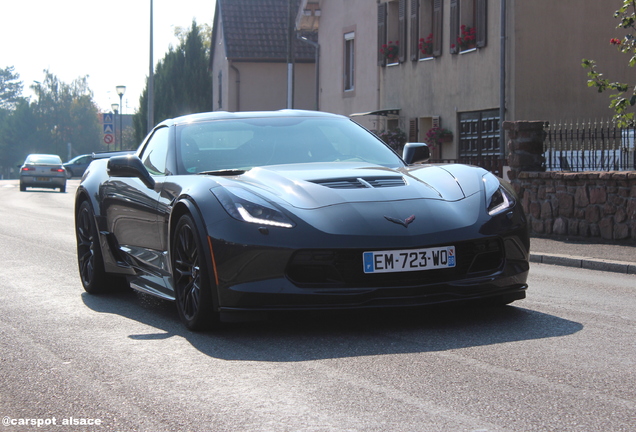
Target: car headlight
[[246, 206], [498, 197]]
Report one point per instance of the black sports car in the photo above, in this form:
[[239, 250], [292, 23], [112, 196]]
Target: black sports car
[[294, 210]]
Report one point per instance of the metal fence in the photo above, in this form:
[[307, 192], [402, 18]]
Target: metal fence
[[588, 146]]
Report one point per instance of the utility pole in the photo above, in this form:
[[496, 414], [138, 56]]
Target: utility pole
[[290, 51], [151, 82]]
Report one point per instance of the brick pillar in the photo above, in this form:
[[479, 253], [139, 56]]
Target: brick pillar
[[525, 146]]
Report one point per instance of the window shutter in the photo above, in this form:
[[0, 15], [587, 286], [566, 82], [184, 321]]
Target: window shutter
[[481, 23], [402, 30], [454, 26], [437, 28], [381, 32], [413, 130], [415, 26]]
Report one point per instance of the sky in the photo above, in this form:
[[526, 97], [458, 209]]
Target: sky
[[108, 41]]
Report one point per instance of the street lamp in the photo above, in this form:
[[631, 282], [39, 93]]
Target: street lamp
[[115, 108], [121, 89]]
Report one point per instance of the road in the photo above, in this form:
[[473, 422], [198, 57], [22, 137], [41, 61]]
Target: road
[[564, 359]]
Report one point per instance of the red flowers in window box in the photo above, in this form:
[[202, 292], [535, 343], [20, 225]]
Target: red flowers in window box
[[615, 41], [391, 51], [395, 138], [467, 39], [437, 136], [426, 45]]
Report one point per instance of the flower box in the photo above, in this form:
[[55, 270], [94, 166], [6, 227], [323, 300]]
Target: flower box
[[391, 52]]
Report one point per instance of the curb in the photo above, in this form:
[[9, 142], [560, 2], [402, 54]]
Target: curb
[[582, 262]]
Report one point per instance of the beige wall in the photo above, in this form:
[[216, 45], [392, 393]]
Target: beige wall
[[339, 17], [548, 42], [421, 89], [446, 85], [263, 86]]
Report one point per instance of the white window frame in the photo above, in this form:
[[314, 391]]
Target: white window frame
[[349, 61]]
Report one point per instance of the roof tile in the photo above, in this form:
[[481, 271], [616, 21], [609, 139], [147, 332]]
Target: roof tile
[[257, 29]]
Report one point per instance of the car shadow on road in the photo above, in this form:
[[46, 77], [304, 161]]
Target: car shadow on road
[[293, 337]]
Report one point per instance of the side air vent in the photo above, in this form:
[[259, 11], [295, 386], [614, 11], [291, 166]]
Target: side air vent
[[361, 183]]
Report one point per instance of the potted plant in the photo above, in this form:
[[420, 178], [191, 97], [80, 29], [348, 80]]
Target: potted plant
[[395, 138], [426, 45], [391, 51], [467, 39], [437, 136]]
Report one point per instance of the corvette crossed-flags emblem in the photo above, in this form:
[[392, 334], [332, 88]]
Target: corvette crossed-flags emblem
[[405, 223]]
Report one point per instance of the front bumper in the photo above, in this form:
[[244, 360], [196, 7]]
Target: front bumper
[[269, 279]]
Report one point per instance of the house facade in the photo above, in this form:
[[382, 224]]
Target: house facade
[[463, 65], [251, 62]]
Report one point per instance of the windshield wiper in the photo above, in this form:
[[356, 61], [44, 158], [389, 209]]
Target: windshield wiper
[[225, 172]]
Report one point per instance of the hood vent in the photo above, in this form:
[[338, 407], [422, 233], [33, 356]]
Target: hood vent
[[361, 183]]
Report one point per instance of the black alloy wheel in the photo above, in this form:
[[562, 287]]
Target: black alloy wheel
[[89, 255], [193, 290]]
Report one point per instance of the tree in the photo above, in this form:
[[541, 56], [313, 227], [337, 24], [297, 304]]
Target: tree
[[205, 30], [61, 114], [19, 136], [182, 83], [10, 88], [622, 100], [66, 114]]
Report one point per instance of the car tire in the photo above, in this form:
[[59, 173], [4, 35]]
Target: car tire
[[63, 189], [22, 187], [190, 272], [89, 255], [69, 173]]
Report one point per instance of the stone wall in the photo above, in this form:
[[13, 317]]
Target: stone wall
[[594, 205]]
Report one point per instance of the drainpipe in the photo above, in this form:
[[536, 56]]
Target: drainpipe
[[317, 65], [238, 87], [502, 83]]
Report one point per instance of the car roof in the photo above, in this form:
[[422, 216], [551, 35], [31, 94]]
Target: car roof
[[226, 115], [79, 156]]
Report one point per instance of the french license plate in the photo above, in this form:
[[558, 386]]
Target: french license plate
[[409, 260], [42, 178]]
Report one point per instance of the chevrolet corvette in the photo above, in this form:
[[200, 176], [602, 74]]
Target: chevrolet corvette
[[232, 213]]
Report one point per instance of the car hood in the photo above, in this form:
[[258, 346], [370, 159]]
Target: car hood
[[311, 186]]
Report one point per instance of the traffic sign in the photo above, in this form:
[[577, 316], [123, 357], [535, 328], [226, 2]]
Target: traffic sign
[[109, 138], [108, 129], [107, 118]]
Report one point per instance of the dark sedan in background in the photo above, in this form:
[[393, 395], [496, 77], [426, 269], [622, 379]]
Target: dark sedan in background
[[43, 171], [76, 166], [227, 213]]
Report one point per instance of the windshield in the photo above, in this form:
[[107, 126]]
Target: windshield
[[241, 144]]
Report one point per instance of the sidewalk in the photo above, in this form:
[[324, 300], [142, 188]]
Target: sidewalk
[[594, 256]]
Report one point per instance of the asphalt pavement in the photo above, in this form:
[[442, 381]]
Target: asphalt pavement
[[619, 258]]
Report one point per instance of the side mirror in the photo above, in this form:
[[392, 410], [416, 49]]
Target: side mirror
[[129, 166], [416, 153]]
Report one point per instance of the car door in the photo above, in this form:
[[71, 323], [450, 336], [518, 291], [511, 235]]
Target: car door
[[81, 164], [130, 207]]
